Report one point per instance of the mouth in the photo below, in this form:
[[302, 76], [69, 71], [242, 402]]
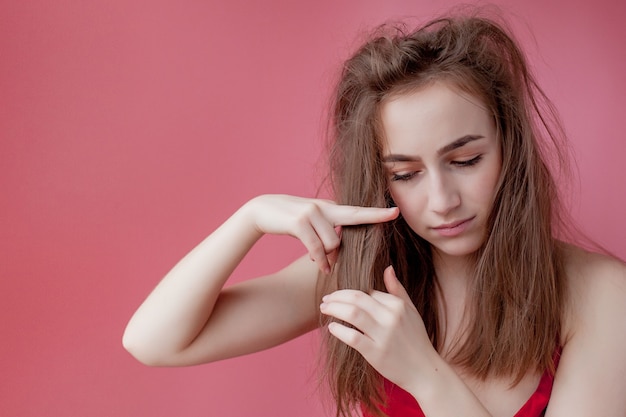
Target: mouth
[[453, 228], [452, 225]]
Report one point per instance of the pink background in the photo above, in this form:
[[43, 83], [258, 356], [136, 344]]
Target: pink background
[[130, 129]]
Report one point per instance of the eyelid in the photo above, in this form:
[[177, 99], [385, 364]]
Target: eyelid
[[404, 177], [467, 162], [403, 166], [401, 171]]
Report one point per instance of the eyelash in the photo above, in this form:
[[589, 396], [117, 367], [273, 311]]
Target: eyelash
[[460, 164], [403, 177], [469, 162]]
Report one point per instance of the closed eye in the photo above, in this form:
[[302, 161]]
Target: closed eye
[[403, 177], [467, 163]]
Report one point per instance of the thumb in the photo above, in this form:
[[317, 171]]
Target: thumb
[[393, 285]]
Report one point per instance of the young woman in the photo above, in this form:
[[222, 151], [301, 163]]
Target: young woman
[[437, 272]]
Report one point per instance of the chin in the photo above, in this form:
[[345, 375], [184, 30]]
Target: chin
[[457, 247]]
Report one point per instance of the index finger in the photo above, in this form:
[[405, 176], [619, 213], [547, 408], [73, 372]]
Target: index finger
[[343, 215]]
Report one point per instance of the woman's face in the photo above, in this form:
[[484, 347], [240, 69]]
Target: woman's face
[[442, 155]]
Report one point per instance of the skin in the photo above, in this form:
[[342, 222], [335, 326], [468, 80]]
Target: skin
[[190, 318], [443, 157]]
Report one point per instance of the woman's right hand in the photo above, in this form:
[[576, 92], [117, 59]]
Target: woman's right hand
[[315, 222]]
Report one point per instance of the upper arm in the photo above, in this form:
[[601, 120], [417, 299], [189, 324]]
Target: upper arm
[[258, 314], [591, 377]]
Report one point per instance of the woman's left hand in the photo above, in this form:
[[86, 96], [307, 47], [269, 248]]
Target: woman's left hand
[[391, 335]]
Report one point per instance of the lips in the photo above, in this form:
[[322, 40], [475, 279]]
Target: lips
[[453, 228], [452, 224]]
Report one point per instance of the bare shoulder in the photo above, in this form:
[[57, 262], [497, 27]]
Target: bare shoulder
[[595, 286], [594, 282], [590, 376]]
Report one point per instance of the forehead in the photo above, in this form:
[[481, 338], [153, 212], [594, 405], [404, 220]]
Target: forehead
[[431, 117]]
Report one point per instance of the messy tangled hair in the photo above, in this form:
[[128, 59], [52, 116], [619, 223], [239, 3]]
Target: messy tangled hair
[[516, 299]]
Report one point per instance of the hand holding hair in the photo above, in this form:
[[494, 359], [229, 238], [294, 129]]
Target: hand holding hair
[[313, 221], [388, 330]]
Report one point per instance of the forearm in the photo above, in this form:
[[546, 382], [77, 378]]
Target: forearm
[[180, 322], [440, 392], [179, 307]]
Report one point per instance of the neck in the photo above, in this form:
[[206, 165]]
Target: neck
[[452, 274], [450, 269]]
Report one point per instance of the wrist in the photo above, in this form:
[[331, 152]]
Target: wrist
[[246, 216], [428, 379], [441, 392]]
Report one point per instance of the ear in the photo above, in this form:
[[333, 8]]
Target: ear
[[393, 285]]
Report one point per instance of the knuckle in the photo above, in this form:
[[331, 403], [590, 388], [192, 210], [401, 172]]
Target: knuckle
[[302, 223], [355, 296], [393, 319], [316, 248], [334, 242], [353, 314], [310, 209], [355, 211], [397, 306]]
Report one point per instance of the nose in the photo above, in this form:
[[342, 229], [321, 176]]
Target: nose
[[443, 194]]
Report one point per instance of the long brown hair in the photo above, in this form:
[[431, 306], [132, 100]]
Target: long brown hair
[[516, 297]]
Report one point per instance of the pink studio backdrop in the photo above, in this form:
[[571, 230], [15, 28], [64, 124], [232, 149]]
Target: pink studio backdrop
[[130, 129]]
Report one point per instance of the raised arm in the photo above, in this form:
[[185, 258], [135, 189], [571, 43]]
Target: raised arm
[[190, 319]]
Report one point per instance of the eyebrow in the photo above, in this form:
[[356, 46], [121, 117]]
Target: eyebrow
[[458, 143]]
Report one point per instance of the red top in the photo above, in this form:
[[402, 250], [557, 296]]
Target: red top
[[402, 404]]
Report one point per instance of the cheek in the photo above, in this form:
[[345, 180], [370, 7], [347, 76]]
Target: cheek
[[410, 203], [494, 178], [399, 198], [484, 189]]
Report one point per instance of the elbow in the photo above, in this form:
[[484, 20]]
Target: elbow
[[142, 350]]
